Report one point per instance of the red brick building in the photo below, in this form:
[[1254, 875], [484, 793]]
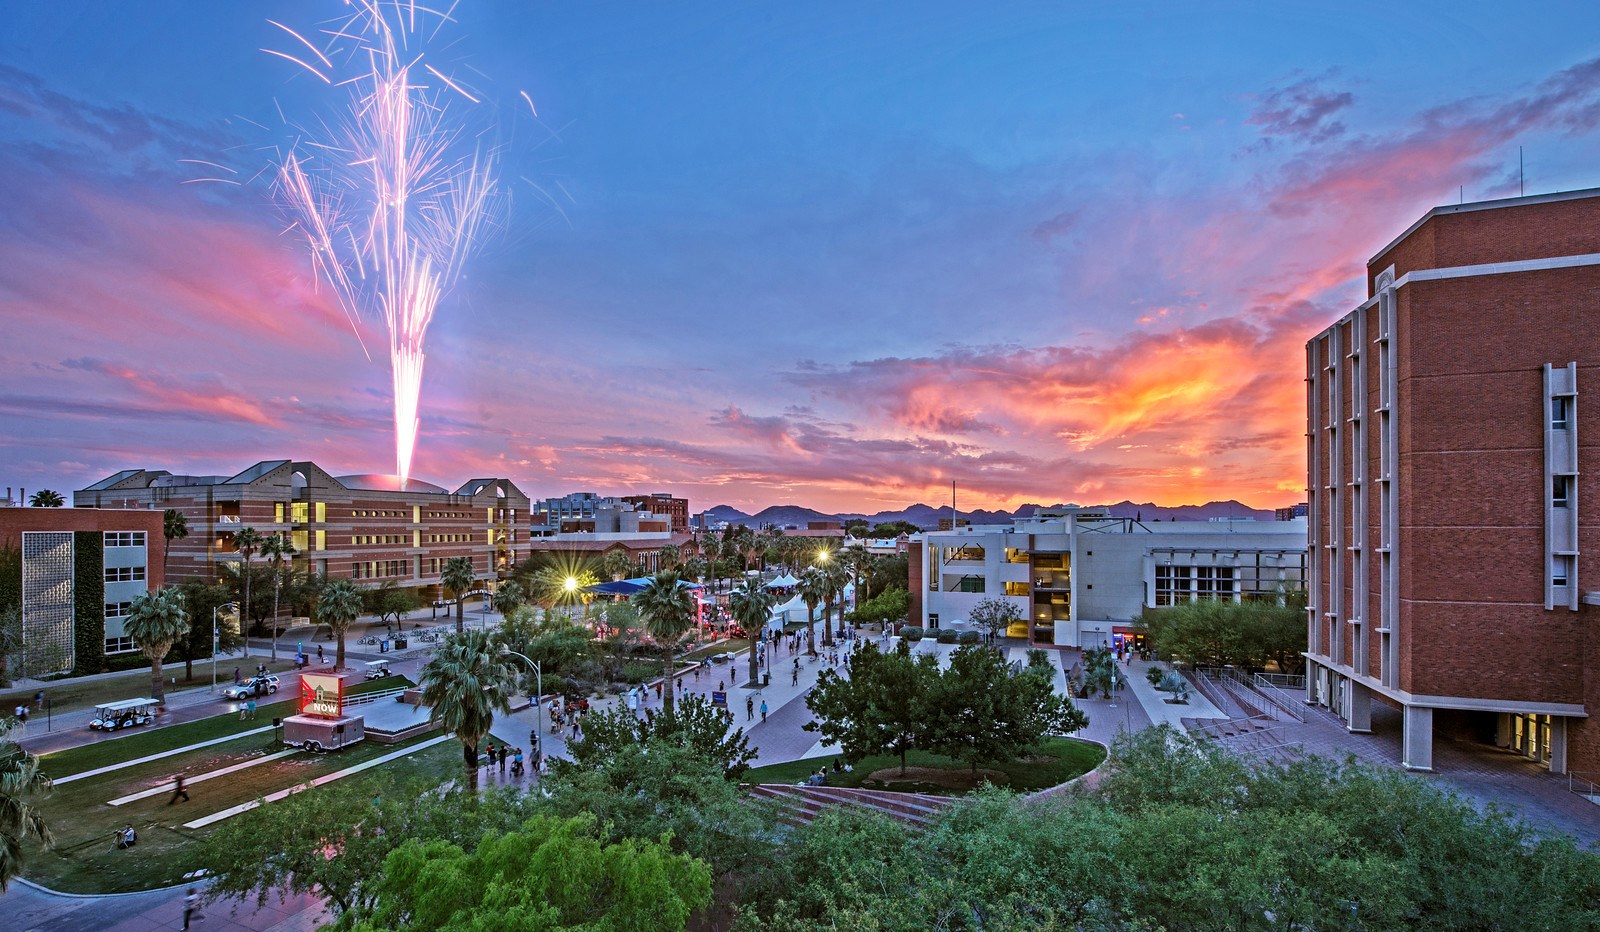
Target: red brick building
[[1452, 573], [661, 503], [363, 527], [74, 573]]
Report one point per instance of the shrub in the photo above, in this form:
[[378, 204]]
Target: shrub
[[911, 633], [947, 636], [1154, 675], [969, 637]]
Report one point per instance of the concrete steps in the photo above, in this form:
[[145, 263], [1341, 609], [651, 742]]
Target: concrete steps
[[802, 804]]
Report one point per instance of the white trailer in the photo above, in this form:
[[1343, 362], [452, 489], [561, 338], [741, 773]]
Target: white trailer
[[316, 733]]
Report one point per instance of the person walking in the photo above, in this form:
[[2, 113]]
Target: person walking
[[252, 706], [763, 710], [191, 906], [236, 676], [178, 791], [319, 653], [490, 750], [796, 680], [749, 709], [503, 758]]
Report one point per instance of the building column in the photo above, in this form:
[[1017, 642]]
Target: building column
[[1502, 730], [1558, 744], [1358, 711], [1416, 739], [1311, 683]]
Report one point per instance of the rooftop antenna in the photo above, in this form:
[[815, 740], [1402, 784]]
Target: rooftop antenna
[[1462, 194], [1520, 191], [952, 504]]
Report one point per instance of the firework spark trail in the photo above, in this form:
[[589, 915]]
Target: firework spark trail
[[392, 203]]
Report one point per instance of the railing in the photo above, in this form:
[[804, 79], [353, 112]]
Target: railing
[[1578, 782], [1284, 681], [1279, 697], [1247, 690], [227, 519], [364, 698]]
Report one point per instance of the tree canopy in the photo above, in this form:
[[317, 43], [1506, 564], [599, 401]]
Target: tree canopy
[[1211, 632]]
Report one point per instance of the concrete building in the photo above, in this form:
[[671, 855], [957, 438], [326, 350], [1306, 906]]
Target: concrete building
[[549, 514], [361, 527], [1449, 456], [75, 573], [1081, 577]]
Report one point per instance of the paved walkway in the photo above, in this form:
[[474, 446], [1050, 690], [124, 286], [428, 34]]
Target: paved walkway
[[31, 909]]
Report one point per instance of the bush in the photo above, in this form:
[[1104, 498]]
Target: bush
[[947, 636], [968, 637], [1154, 675], [911, 633]]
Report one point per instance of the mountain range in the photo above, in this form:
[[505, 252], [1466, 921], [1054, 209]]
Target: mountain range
[[927, 516]]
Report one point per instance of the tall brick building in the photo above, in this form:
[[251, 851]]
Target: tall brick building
[[1453, 574], [362, 527], [662, 503]]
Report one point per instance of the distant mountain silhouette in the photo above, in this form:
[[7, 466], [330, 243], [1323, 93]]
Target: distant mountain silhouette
[[927, 516]]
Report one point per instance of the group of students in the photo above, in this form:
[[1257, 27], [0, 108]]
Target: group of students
[[821, 776], [501, 754]]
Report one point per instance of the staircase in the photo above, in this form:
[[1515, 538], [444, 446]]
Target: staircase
[[802, 804]]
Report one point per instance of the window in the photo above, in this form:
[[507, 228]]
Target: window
[[1560, 491], [322, 539], [298, 512], [124, 574], [119, 645], [1559, 570], [322, 512], [277, 512], [1560, 412], [124, 538], [115, 610], [1178, 584], [970, 584]]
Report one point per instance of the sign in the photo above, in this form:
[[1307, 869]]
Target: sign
[[720, 700], [322, 695]]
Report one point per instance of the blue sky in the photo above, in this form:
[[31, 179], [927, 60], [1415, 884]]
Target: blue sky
[[831, 253]]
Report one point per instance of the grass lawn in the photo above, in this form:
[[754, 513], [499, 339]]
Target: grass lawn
[[144, 742], [704, 653], [1059, 760], [85, 858], [80, 696]]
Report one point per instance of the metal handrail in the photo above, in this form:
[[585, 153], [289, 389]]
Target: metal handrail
[[363, 698], [1272, 694], [1593, 791]]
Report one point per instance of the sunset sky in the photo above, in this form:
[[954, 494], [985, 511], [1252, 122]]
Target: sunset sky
[[758, 254]]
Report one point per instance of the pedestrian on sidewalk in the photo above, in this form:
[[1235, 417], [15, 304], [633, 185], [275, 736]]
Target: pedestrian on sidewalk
[[178, 791], [319, 653], [490, 751], [749, 709], [796, 680], [191, 906], [252, 706], [763, 710], [236, 680], [503, 758]]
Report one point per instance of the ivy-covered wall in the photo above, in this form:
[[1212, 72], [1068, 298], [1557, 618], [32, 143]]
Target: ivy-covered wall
[[88, 602], [10, 577]]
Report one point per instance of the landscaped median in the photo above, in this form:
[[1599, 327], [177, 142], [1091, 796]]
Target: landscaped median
[[1058, 761]]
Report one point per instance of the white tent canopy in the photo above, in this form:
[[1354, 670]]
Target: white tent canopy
[[783, 582]]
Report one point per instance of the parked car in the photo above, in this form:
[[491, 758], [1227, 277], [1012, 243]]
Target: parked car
[[255, 686]]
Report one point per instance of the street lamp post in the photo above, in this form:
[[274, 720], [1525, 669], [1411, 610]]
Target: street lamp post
[[214, 643], [538, 708]]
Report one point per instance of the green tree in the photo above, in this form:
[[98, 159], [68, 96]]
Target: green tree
[[983, 710], [667, 610], [274, 549], [888, 529], [551, 874], [508, 596], [1213, 632], [623, 620], [174, 526], [458, 579], [891, 605], [669, 556], [858, 558], [835, 576], [857, 529], [464, 685], [22, 783], [389, 602], [995, 615], [156, 620], [883, 707], [247, 541], [751, 604], [200, 599], [337, 607], [46, 498], [693, 724], [616, 564], [550, 586], [889, 571], [10, 639]]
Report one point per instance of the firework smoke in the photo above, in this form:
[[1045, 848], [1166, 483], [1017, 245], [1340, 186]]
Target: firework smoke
[[392, 199]]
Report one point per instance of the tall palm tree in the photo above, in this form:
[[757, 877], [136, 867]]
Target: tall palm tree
[[667, 610], [21, 782], [858, 558], [46, 498], [752, 609], [274, 547], [338, 606], [508, 596], [156, 621], [247, 542], [174, 526], [458, 578], [616, 564], [837, 576], [463, 686], [669, 557], [813, 589]]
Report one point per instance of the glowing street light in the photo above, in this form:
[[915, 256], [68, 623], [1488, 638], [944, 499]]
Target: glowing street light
[[571, 584]]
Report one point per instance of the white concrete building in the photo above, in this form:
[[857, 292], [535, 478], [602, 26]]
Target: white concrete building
[[1081, 577]]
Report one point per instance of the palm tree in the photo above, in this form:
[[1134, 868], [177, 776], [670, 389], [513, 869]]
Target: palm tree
[[458, 578], [338, 606], [247, 542], [156, 621], [21, 782], [508, 596], [668, 557], [46, 498], [813, 589], [858, 558], [667, 610], [616, 564], [273, 549], [174, 526], [752, 609], [463, 686], [836, 575]]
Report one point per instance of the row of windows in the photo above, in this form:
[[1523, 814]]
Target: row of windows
[[374, 569], [1177, 584], [124, 573], [115, 610], [119, 645], [378, 539], [449, 538], [124, 539]]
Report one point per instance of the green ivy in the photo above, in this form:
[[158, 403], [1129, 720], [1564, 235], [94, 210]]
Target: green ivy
[[88, 602], [10, 577]]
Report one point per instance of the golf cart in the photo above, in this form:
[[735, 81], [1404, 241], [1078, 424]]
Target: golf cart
[[377, 669], [115, 716]]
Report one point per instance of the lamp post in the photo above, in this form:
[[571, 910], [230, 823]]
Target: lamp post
[[214, 642], [538, 706]]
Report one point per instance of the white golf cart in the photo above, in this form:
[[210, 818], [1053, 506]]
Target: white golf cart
[[377, 669], [115, 716]]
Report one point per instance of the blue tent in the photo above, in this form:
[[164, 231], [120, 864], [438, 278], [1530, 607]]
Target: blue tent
[[630, 587]]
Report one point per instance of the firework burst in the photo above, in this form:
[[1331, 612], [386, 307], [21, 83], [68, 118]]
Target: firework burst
[[392, 198]]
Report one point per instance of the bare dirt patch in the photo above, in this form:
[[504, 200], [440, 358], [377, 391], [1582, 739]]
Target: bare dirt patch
[[961, 780]]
